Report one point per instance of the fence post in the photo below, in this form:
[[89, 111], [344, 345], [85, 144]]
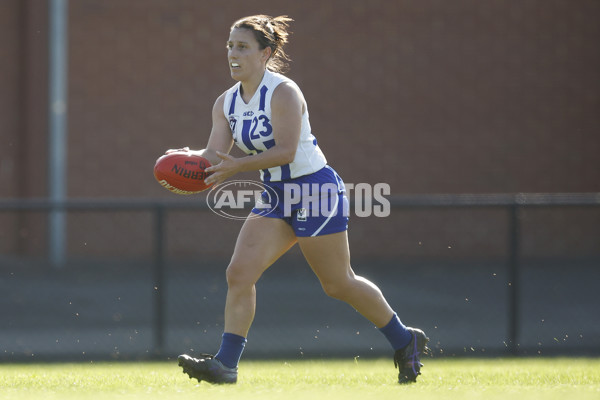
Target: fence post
[[57, 128], [513, 281], [159, 280]]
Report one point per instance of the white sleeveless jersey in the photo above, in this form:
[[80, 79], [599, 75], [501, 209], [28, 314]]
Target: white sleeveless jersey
[[252, 132]]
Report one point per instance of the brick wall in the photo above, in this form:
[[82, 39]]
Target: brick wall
[[430, 97]]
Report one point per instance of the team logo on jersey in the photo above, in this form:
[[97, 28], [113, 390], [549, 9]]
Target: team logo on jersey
[[233, 123], [301, 215]]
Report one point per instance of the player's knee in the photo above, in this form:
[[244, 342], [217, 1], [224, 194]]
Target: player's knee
[[238, 275], [235, 275], [338, 290]]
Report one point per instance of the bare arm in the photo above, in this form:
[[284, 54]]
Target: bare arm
[[220, 139], [286, 118]]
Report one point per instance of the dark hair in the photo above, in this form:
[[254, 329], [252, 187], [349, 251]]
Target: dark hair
[[269, 32]]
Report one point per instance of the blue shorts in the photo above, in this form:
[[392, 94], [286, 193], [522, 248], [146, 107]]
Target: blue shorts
[[313, 205]]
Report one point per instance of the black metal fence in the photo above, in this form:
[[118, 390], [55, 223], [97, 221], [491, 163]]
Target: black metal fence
[[160, 210]]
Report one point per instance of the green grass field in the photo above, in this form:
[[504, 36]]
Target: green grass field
[[540, 378]]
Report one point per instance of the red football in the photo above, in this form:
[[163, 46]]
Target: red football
[[182, 172]]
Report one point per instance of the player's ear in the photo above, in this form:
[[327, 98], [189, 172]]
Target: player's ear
[[267, 51]]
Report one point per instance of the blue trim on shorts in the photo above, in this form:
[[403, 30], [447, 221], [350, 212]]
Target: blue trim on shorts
[[313, 204]]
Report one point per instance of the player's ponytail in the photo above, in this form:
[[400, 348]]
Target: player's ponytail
[[269, 32]]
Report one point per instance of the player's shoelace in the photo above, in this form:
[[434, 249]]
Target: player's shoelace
[[414, 358]]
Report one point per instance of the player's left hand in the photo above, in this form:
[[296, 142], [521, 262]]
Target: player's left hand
[[223, 170]]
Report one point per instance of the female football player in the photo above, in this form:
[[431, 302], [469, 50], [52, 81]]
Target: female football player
[[265, 114]]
